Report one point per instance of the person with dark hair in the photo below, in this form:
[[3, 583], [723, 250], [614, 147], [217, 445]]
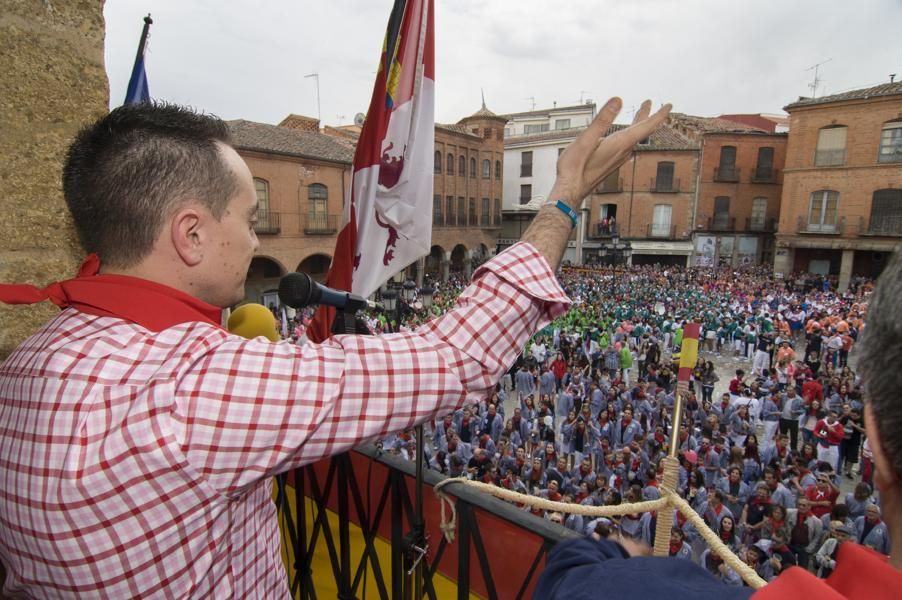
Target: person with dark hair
[[146, 436]]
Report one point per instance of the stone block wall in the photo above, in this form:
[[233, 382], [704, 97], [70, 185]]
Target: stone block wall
[[53, 81]]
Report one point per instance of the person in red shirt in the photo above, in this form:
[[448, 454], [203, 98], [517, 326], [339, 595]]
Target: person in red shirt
[[813, 390], [829, 433], [822, 495]]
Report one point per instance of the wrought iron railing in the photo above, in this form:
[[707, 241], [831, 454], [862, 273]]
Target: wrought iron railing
[[268, 222], [500, 549], [610, 186], [601, 230], [666, 232], [764, 175], [318, 224], [886, 225], [728, 174], [666, 186], [722, 223]]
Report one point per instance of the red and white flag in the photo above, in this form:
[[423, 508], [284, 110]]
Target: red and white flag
[[387, 221]]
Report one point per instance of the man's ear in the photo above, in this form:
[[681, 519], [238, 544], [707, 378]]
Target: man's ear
[[187, 235], [884, 474]]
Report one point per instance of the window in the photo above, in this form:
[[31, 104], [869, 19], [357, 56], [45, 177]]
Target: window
[[262, 188], [473, 168], [660, 222], [759, 214], [886, 212], [525, 194], [528, 129], [721, 213], [318, 207], [473, 222], [726, 170], [462, 166], [437, 210], [497, 169], [610, 184], [526, 164], [891, 143], [831, 147], [508, 131], [461, 211], [484, 218], [764, 168], [450, 168], [497, 212], [449, 212], [822, 211], [438, 162], [664, 177], [487, 133], [562, 123], [486, 168]]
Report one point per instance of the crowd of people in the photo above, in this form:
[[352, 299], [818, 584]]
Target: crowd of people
[[585, 416]]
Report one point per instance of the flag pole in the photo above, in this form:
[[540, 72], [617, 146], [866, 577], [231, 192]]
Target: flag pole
[[143, 42]]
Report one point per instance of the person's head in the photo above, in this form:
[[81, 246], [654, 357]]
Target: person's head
[[156, 189], [862, 491], [677, 536], [735, 475], [777, 512], [716, 498], [552, 486], [726, 523]]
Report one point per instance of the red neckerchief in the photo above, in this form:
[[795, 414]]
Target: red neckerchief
[[674, 548], [152, 305]]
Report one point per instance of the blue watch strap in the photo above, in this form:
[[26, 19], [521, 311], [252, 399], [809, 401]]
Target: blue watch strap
[[574, 216]]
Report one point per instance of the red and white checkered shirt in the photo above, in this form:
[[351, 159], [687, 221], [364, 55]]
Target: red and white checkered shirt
[[138, 464]]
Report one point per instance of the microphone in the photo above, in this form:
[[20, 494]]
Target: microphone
[[253, 320], [298, 290]]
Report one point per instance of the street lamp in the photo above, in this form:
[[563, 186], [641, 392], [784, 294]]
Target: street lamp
[[409, 291], [426, 294], [614, 252]]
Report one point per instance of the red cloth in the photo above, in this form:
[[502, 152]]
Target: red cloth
[[860, 574], [831, 434], [816, 495], [144, 459], [812, 390]]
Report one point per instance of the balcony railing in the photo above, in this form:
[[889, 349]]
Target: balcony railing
[[764, 175], [891, 225], [830, 158], [664, 232], [610, 187], [760, 224], [601, 231], [727, 174], [316, 224], [722, 223], [837, 228], [365, 498], [268, 222], [666, 186]]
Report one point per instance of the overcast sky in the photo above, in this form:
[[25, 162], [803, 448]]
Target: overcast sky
[[248, 58]]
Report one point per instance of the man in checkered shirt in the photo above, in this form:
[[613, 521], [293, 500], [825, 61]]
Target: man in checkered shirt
[[138, 438]]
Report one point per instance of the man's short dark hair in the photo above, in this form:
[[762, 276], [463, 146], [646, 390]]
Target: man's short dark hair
[[127, 171], [881, 352]]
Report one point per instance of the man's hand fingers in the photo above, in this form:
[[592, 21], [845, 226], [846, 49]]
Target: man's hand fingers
[[643, 113], [599, 126]]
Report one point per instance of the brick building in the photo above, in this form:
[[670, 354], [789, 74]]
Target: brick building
[[648, 201], [841, 211], [466, 210], [737, 201], [302, 176]]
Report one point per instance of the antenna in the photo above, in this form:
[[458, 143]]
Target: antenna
[[582, 95], [817, 81], [318, 114], [533, 100]]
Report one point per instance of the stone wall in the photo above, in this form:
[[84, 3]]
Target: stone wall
[[53, 81]]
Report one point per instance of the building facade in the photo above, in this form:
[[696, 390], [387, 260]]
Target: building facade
[[738, 192], [841, 210], [533, 141]]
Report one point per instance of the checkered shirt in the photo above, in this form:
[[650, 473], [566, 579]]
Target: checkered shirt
[[138, 464]]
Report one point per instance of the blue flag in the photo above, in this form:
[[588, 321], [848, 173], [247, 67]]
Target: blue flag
[[138, 90]]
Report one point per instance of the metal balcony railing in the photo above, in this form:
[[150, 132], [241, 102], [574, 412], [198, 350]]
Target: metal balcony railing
[[664, 232], [889, 225], [268, 222], [804, 226], [601, 230], [722, 223], [367, 494], [760, 224], [764, 175], [666, 186], [726, 174], [316, 224]]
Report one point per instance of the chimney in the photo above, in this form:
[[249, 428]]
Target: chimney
[[892, 76]]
